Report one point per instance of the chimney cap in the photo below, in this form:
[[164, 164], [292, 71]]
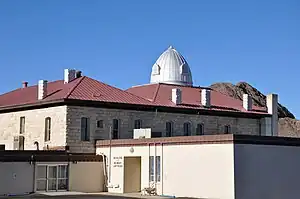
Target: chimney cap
[[78, 73], [24, 84]]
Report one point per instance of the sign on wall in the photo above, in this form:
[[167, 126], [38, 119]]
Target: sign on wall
[[118, 161]]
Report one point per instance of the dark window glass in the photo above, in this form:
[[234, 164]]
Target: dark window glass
[[187, 129], [227, 129], [85, 129], [100, 124], [137, 124], [47, 128], [169, 129], [115, 130], [200, 129], [22, 125]]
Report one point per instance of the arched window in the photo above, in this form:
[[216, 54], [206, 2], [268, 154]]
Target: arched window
[[156, 69], [187, 129], [47, 128], [200, 129], [169, 129], [227, 129]]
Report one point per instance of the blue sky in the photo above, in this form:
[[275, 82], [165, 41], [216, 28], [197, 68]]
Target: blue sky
[[118, 41]]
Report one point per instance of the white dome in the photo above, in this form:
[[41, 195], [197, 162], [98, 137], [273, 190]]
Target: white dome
[[171, 68]]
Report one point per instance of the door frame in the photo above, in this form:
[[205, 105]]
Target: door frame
[[47, 176], [124, 171]]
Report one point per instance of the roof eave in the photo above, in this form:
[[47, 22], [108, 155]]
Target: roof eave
[[39, 104], [140, 107]]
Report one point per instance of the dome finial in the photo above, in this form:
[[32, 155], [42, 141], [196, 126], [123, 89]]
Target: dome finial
[[170, 47]]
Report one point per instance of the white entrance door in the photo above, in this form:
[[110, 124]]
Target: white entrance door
[[52, 177]]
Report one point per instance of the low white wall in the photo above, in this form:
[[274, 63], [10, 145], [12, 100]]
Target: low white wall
[[267, 172], [86, 177], [204, 171], [16, 178]]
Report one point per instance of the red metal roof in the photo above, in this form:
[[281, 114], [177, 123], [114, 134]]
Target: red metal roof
[[160, 94], [85, 88]]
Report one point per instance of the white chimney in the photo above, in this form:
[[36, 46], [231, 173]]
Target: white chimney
[[70, 75], [205, 97], [272, 106], [42, 89], [247, 102], [176, 95]]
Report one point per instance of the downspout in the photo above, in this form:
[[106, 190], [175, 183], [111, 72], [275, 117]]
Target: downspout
[[104, 170]]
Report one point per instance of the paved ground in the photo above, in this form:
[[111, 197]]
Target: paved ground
[[70, 196], [86, 196]]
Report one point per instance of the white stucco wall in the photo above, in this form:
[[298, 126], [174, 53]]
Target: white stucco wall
[[204, 171], [267, 172], [34, 127], [16, 178]]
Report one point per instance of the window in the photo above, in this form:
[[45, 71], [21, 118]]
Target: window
[[85, 129], [22, 125], [155, 177], [100, 124], [156, 134], [259, 127], [227, 129], [2, 147], [19, 142], [169, 129], [187, 128], [47, 129], [200, 129], [157, 168], [115, 133], [52, 177], [156, 70], [137, 124]]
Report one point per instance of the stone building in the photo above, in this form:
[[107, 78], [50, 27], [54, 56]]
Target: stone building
[[78, 110]]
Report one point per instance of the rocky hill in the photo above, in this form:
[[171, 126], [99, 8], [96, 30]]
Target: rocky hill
[[288, 125]]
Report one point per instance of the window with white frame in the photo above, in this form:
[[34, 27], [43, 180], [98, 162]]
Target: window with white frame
[[155, 173], [52, 177]]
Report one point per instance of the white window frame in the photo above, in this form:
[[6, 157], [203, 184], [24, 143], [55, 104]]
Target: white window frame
[[57, 177], [153, 166]]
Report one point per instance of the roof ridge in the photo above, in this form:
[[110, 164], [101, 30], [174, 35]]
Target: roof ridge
[[31, 86], [119, 89], [156, 92], [75, 86]]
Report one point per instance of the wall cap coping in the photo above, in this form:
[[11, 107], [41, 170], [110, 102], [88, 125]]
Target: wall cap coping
[[204, 139]]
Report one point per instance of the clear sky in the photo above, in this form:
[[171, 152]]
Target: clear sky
[[118, 41]]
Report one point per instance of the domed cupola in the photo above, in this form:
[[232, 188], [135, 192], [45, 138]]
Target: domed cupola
[[171, 68]]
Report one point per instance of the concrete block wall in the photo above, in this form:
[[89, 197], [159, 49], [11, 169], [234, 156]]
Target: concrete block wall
[[34, 127], [156, 121], [66, 125]]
